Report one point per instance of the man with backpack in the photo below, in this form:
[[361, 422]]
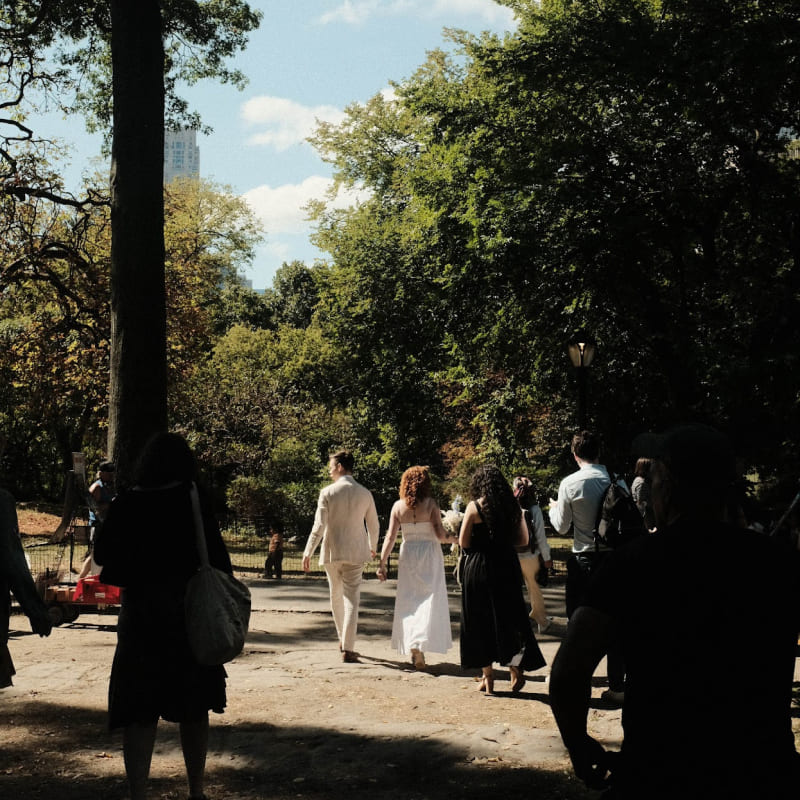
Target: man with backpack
[[580, 496], [708, 707]]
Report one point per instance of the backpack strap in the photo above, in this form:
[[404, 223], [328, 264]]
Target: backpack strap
[[599, 516]]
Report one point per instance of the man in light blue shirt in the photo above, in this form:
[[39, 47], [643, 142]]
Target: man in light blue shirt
[[579, 497], [580, 494]]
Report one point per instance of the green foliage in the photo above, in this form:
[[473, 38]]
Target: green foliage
[[239, 305], [294, 295], [200, 36], [605, 169], [619, 168], [54, 322]]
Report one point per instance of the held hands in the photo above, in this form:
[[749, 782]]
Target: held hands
[[381, 572], [306, 563]]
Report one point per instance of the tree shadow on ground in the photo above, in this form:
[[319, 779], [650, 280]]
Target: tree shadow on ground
[[63, 752]]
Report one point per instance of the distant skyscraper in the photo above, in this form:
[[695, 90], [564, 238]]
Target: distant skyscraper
[[181, 155]]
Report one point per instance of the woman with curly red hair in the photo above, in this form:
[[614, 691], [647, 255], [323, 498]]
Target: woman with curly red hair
[[421, 612]]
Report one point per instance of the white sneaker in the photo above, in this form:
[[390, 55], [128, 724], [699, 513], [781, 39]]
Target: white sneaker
[[610, 696]]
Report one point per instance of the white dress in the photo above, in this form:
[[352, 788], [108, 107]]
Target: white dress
[[421, 610]]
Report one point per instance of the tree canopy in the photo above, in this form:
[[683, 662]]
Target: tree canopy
[[618, 168], [622, 169]]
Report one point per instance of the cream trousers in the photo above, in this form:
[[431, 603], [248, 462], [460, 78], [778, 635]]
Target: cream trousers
[[344, 580]]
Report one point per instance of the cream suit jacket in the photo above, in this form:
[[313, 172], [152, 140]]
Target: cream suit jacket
[[346, 523]]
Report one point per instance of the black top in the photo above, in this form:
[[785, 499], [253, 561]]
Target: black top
[[149, 536]]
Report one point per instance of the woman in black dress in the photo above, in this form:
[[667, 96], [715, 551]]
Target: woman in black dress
[[147, 545], [494, 620]]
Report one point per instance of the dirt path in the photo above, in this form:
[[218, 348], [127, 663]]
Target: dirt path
[[299, 723]]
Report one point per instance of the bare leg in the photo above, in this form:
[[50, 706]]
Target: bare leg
[[487, 681], [194, 743], [530, 569], [86, 568], [137, 750]]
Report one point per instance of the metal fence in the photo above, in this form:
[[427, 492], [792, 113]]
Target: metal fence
[[248, 545]]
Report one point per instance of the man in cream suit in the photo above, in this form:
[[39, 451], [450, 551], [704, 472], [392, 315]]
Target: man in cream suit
[[346, 523]]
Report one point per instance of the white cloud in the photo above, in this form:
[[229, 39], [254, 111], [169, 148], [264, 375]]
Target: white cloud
[[358, 12], [352, 13], [487, 10], [284, 123], [277, 252], [281, 208]]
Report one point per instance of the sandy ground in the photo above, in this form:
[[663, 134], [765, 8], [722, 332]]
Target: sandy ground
[[299, 723]]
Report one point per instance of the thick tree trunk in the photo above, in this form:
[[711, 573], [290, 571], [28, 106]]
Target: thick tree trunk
[[138, 392]]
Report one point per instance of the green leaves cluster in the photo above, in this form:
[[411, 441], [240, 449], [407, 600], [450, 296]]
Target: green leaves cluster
[[618, 168], [54, 320]]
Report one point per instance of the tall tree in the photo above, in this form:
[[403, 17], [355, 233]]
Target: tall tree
[[138, 364], [134, 55]]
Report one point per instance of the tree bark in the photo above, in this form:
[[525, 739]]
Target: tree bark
[[138, 385]]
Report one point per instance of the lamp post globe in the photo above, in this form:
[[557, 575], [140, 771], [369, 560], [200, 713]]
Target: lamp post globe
[[581, 350]]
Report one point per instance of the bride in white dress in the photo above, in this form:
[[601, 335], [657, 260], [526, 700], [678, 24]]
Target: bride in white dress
[[421, 611]]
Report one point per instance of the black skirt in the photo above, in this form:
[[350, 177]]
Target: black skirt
[[154, 674], [495, 626]]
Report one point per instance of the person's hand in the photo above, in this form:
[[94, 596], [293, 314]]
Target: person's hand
[[41, 624], [374, 554], [548, 564], [306, 563], [381, 573], [591, 762]]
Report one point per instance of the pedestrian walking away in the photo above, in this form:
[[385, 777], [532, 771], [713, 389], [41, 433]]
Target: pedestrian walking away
[[579, 497], [346, 531], [495, 627], [421, 612]]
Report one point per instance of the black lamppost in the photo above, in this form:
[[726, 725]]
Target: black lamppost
[[581, 353]]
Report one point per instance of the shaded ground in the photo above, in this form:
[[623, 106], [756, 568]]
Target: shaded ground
[[300, 723]]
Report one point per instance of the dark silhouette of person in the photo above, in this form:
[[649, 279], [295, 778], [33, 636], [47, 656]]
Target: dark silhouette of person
[[15, 577], [709, 661], [273, 566], [148, 546]]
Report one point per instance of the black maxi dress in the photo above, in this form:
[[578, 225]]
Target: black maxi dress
[[147, 546], [495, 626]]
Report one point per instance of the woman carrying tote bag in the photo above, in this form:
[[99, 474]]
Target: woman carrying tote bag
[[148, 546]]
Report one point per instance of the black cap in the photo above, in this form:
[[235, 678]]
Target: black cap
[[107, 466]]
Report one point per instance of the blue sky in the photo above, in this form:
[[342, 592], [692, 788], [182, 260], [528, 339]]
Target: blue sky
[[309, 59]]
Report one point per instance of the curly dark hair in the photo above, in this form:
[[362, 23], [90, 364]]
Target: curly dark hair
[[500, 508], [415, 485]]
